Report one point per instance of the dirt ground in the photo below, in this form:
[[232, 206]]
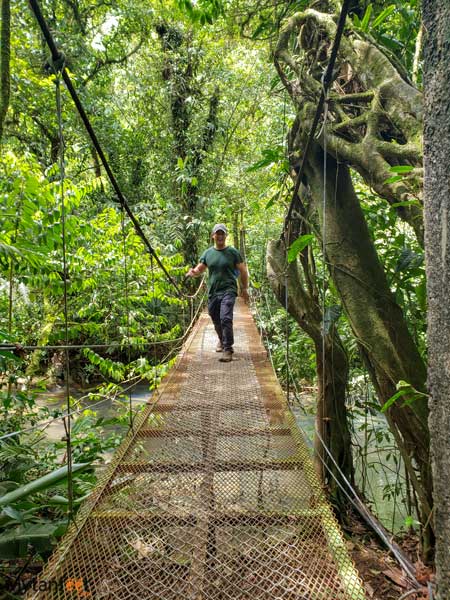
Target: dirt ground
[[381, 574]]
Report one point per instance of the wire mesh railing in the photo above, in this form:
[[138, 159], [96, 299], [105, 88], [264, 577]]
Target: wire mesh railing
[[212, 496]]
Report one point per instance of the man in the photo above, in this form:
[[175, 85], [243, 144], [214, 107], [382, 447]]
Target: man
[[223, 263]]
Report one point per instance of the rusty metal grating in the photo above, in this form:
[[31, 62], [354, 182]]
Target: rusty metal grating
[[212, 497]]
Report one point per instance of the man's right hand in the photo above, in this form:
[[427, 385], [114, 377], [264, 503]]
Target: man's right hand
[[192, 272]]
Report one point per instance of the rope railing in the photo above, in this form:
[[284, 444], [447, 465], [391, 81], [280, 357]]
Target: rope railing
[[265, 336], [18, 347]]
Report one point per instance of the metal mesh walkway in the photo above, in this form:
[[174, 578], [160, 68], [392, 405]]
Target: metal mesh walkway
[[212, 497]]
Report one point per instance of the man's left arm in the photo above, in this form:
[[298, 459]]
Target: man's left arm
[[242, 267]]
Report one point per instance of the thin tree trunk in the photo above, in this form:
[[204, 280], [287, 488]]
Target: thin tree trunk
[[332, 374], [436, 15], [5, 56]]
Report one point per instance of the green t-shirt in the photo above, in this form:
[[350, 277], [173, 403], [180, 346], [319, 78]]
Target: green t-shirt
[[222, 272]]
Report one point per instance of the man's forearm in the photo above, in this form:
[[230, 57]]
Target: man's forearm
[[197, 270]]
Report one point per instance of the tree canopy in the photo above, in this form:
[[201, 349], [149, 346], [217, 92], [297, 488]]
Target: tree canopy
[[203, 110]]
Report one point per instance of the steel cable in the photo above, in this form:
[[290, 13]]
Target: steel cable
[[58, 62]]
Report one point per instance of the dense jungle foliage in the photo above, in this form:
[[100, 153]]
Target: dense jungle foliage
[[200, 126]]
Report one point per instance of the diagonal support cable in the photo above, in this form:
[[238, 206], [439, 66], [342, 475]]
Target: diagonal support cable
[[57, 57]]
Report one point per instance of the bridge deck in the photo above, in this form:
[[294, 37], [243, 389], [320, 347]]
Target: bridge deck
[[212, 497]]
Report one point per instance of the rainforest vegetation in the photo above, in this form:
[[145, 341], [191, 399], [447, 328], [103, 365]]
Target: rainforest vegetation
[[203, 110]]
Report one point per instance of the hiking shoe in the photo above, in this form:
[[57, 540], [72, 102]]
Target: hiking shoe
[[227, 356], [219, 347]]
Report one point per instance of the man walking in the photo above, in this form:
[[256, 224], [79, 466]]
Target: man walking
[[224, 264]]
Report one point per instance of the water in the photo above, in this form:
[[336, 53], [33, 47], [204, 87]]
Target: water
[[107, 408], [379, 474]]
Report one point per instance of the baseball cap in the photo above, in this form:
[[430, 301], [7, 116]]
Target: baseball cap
[[219, 227]]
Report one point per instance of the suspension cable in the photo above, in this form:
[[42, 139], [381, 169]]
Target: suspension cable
[[58, 59], [127, 306], [66, 420], [17, 348], [152, 278]]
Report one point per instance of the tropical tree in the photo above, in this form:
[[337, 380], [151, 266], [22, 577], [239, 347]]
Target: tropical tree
[[374, 126], [436, 194]]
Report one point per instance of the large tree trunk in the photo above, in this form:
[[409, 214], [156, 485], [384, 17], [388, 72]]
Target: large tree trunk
[[436, 14], [375, 318], [374, 123], [332, 373], [375, 112]]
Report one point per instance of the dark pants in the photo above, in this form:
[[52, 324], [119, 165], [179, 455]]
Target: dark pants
[[221, 312]]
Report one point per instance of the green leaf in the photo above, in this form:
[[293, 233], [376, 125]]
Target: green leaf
[[13, 513], [41, 536], [411, 521], [408, 260], [403, 389], [421, 292], [63, 501], [299, 245], [406, 203], [393, 179], [270, 156], [272, 199], [393, 399], [383, 16], [402, 169], [7, 486], [38, 485], [366, 18]]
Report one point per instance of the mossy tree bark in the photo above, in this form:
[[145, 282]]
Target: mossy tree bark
[[180, 69], [332, 373], [375, 113], [374, 123], [436, 14]]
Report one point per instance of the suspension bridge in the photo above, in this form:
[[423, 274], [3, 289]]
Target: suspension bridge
[[212, 495]]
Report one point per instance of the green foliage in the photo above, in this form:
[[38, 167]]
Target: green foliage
[[32, 482], [405, 391], [111, 369], [402, 258], [296, 247], [204, 11], [271, 319], [394, 27], [116, 297], [38, 485], [270, 156]]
